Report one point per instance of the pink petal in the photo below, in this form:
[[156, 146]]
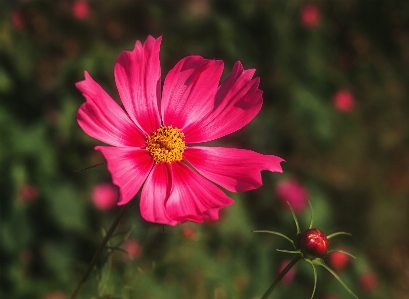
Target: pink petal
[[102, 118], [189, 91], [137, 77], [129, 168], [235, 169], [237, 102], [193, 198], [154, 195]]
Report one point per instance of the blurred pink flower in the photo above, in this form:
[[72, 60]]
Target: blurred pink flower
[[80, 9], [105, 196], [368, 281], [293, 192], [55, 295], [310, 15], [149, 141], [338, 260], [188, 232], [289, 276], [27, 193], [344, 101], [133, 248], [17, 20]]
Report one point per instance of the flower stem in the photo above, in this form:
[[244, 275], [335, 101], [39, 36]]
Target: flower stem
[[99, 250], [280, 276]]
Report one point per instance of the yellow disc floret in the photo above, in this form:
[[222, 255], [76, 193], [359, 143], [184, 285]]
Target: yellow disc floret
[[167, 144]]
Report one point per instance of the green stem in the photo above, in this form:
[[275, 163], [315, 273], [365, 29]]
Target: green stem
[[99, 250], [280, 276]]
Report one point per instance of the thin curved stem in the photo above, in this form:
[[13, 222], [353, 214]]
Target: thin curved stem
[[274, 233], [312, 215], [99, 250], [280, 276], [295, 219], [342, 251]]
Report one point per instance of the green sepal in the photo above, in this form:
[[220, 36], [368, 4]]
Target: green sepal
[[320, 262], [341, 251], [338, 233], [312, 215], [289, 251], [315, 275], [295, 219]]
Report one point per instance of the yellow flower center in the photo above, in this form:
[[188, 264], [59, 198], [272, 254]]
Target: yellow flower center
[[166, 144]]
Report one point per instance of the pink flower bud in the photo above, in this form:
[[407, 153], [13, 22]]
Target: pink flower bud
[[105, 196], [338, 260], [294, 193], [310, 15], [313, 243], [344, 101]]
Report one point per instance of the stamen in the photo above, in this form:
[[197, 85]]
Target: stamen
[[166, 144]]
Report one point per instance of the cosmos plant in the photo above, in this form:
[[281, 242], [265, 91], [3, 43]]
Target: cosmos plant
[[309, 245]]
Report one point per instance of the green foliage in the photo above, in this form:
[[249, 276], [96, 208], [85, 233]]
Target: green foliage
[[355, 165]]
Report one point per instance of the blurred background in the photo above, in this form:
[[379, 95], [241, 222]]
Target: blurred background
[[335, 77]]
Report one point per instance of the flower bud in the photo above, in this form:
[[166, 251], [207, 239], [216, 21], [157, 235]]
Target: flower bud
[[313, 243]]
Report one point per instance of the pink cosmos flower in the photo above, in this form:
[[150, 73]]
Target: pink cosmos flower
[[153, 142], [294, 193], [105, 196], [344, 101]]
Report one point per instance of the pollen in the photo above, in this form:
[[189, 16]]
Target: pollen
[[166, 144]]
